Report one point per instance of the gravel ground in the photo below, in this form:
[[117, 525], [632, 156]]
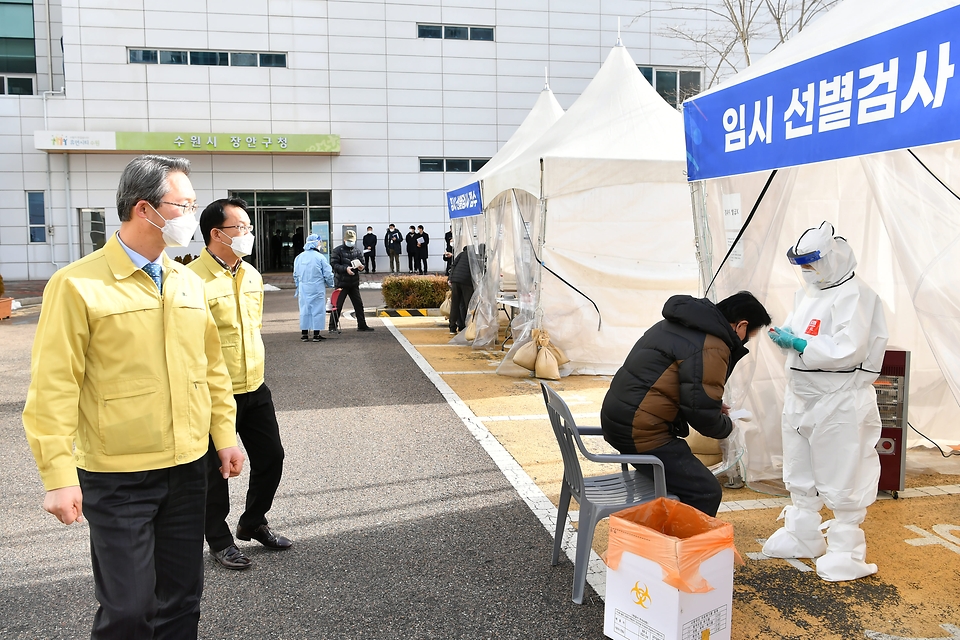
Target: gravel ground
[[403, 527]]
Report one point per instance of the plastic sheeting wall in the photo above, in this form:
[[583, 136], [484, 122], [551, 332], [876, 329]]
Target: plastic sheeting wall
[[904, 227]]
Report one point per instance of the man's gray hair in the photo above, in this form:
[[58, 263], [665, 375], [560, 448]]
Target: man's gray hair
[[145, 178]]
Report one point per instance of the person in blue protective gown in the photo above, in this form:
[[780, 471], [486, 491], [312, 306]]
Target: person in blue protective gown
[[834, 341], [311, 276]]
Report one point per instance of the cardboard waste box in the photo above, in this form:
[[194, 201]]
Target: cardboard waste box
[[669, 574]]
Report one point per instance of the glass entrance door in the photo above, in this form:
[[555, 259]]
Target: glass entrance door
[[280, 237]]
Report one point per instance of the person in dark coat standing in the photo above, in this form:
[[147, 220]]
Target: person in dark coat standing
[[411, 239], [448, 250], [393, 243], [347, 263], [672, 380], [461, 287], [423, 239], [370, 251]]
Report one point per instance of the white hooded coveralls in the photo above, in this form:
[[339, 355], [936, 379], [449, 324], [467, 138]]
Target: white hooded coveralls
[[831, 424]]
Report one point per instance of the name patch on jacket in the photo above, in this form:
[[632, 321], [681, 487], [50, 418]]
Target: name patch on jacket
[[813, 329]]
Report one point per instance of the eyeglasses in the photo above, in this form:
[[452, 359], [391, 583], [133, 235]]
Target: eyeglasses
[[187, 208], [244, 228]]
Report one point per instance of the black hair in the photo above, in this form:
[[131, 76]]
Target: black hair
[[214, 215], [744, 306]]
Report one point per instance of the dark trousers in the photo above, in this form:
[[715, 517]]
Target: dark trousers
[[368, 260], [354, 292], [459, 301], [258, 430], [394, 262], [146, 545], [411, 259], [687, 477], [422, 263]]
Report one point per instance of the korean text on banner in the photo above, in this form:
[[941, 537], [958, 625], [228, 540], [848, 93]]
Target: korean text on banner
[[465, 201], [890, 91]]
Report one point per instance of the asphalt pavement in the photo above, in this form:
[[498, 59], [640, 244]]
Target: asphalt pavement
[[403, 527]]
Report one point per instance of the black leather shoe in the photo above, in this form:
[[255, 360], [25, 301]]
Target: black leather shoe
[[317, 337], [264, 536], [364, 328], [232, 558]]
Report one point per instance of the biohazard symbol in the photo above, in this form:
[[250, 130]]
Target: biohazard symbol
[[640, 596]]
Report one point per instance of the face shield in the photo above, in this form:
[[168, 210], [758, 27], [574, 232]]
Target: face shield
[[810, 255]]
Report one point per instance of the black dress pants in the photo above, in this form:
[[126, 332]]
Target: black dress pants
[[459, 301], [411, 259], [354, 292], [687, 477], [146, 546], [368, 259], [258, 430]]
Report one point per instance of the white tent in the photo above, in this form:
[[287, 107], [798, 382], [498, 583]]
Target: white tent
[[854, 121], [603, 200]]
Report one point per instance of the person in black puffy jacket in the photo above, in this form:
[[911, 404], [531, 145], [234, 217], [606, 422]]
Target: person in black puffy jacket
[[672, 380], [461, 286], [347, 263]]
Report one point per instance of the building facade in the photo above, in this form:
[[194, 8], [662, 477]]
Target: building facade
[[322, 114]]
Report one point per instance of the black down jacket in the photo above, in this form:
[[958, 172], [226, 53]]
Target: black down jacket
[[673, 379], [340, 259]]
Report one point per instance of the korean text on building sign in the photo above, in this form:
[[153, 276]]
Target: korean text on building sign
[[465, 201], [890, 91], [251, 142]]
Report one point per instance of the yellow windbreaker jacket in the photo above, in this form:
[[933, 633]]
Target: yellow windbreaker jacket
[[122, 379], [237, 305]]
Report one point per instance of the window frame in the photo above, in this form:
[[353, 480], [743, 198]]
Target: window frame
[[31, 225], [678, 95]]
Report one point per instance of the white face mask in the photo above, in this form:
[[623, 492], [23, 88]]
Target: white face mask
[[242, 245], [177, 232], [350, 243], [811, 276]]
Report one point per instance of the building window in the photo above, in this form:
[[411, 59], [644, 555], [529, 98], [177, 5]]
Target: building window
[[93, 230], [243, 59], [458, 165], [673, 84], [36, 216], [481, 33], [452, 165], [273, 60], [20, 86], [429, 31], [454, 32], [17, 47], [431, 164], [143, 56], [173, 57], [207, 58]]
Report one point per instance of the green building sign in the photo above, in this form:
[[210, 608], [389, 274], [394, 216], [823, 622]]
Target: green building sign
[[187, 142]]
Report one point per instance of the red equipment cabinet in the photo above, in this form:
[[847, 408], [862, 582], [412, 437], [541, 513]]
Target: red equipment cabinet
[[891, 387]]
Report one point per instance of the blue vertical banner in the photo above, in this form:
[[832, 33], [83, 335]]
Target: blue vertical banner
[[322, 229], [893, 90], [465, 201]]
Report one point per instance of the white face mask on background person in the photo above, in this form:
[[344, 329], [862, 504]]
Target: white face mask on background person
[[177, 232], [350, 243], [242, 245]]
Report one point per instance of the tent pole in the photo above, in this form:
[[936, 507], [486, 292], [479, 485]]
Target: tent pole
[[541, 233], [701, 232]]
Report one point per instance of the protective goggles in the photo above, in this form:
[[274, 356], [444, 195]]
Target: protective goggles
[[803, 258]]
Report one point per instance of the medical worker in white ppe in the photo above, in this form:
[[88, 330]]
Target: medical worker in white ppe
[[834, 340]]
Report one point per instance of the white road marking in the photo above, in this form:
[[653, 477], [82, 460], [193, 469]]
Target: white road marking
[[953, 630]]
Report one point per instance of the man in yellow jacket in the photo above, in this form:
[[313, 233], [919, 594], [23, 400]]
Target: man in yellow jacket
[[234, 292], [128, 385]]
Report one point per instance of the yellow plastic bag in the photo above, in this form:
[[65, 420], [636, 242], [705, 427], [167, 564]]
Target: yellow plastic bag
[[446, 304], [546, 366], [526, 356], [676, 536]]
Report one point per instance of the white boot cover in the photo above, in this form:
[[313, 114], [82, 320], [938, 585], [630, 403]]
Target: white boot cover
[[846, 552], [799, 537]]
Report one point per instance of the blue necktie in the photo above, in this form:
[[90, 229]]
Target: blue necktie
[[154, 271]]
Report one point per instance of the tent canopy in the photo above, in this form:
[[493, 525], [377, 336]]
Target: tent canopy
[[611, 225], [873, 83]]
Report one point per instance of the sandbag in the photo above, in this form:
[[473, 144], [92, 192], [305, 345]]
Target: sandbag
[[470, 333], [526, 356], [547, 367]]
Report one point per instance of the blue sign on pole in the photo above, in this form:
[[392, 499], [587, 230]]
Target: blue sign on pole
[[890, 91], [465, 201]]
